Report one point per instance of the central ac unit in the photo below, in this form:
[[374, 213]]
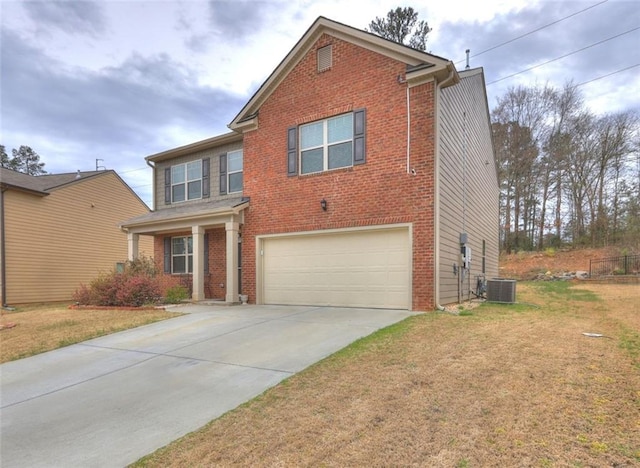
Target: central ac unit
[[501, 290]]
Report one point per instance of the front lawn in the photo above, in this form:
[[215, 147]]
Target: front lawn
[[503, 385], [35, 329]]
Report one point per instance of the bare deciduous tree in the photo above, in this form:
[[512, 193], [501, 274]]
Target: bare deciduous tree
[[556, 156]]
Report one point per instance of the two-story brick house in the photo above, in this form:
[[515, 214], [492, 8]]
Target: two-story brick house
[[355, 176]]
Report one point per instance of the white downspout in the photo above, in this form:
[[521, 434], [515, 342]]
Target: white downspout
[[436, 170], [153, 184], [408, 133]]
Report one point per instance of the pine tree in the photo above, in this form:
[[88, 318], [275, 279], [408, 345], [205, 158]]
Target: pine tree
[[399, 24], [26, 160]]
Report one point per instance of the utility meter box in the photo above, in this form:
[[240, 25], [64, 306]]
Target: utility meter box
[[466, 256]]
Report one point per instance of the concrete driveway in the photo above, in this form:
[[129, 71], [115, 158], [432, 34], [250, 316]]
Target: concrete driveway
[[111, 400]]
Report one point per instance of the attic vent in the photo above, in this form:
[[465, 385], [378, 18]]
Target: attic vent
[[325, 58]]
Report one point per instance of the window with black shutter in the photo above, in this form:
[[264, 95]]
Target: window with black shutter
[[327, 144]]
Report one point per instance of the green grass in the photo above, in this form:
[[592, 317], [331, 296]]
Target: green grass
[[376, 340], [563, 290]]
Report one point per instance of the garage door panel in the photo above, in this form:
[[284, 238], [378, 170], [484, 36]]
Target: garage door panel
[[352, 269]]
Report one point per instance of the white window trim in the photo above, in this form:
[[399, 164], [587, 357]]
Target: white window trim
[[229, 172], [186, 181], [325, 146], [186, 256]]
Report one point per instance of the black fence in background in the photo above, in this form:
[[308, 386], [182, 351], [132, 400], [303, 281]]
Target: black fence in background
[[624, 265]]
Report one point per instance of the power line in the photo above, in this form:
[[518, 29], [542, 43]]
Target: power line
[[608, 74], [564, 56], [133, 170], [534, 31]]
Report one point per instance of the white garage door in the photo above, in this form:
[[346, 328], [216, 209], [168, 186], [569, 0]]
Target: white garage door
[[348, 269]]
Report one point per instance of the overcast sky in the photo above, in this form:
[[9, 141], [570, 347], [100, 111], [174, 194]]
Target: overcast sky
[[120, 80]]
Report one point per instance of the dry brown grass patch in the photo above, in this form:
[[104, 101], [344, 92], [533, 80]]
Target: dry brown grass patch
[[44, 327], [506, 386]]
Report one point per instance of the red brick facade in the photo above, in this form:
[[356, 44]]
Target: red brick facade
[[378, 192]]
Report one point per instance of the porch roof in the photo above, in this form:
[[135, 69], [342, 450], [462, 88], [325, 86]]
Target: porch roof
[[185, 216]]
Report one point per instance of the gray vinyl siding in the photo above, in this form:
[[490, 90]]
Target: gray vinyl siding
[[464, 118], [214, 175]]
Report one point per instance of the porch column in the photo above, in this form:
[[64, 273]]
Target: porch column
[[232, 262], [132, 246], [198, 263]]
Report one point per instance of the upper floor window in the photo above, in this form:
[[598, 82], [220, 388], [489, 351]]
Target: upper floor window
[[327, 144], [235, 171], [188, 181], [231, 168]]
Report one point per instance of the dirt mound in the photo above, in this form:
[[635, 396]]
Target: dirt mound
[[528, 265]]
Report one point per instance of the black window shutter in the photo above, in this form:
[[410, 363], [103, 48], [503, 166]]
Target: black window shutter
[[206, 162], [223, 174], [167, 254], [167, 186], [359, 133], [206, 252], [292, 151]]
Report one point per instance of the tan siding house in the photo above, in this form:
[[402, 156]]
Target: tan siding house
[[468, 189], [62, 230]]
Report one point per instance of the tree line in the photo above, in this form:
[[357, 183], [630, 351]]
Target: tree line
[[567, 175]]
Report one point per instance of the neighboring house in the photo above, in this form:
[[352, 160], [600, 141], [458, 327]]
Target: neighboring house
[[355, 176], [58, 231]]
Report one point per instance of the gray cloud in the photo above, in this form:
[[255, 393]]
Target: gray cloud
[[119, 110], [198, 43], [77, 17], [235, 19], [589, 27]]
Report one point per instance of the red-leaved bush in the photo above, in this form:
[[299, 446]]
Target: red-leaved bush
[[136, 285], [137, 291]]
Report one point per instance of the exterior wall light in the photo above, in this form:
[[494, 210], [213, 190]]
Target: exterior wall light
[[323, 204]]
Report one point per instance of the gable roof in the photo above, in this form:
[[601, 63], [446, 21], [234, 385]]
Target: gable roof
[[20, 181], [42, 184], [420, 65]]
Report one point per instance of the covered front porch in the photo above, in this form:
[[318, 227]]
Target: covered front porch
[[191, 241]]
